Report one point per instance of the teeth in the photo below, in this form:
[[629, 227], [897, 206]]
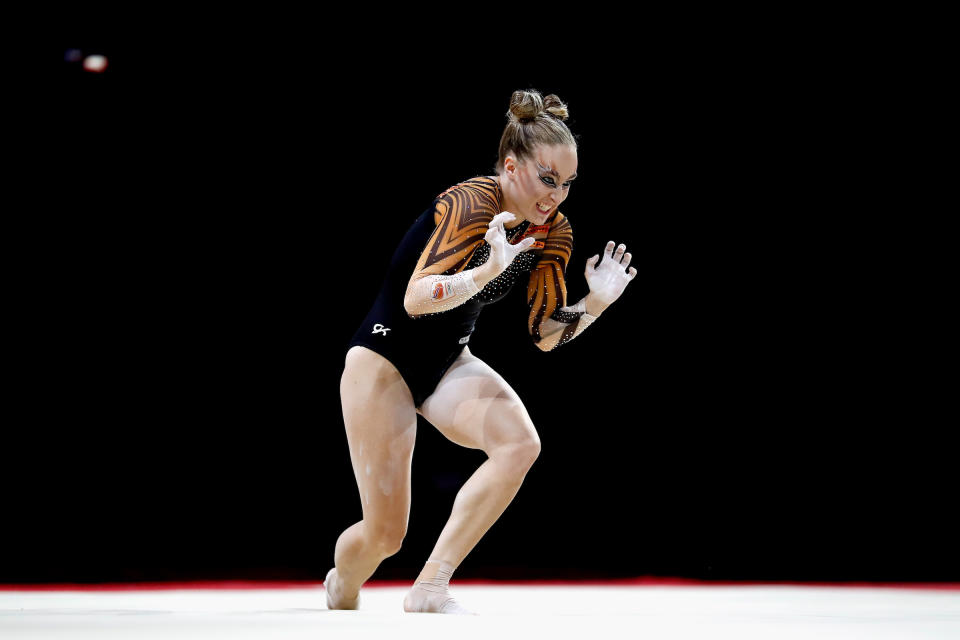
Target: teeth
[[543, 208]]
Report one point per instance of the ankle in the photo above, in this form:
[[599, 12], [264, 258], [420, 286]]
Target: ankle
[[436, 572]]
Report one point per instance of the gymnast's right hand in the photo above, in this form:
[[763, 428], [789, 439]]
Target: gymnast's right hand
[[502, 252]]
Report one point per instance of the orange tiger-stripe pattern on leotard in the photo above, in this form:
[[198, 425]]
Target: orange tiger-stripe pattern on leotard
[[547, 289], [462, 215]]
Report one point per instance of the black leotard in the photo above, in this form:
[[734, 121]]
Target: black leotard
[[445, 239]]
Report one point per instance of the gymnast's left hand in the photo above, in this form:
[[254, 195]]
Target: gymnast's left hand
[[608, 280]]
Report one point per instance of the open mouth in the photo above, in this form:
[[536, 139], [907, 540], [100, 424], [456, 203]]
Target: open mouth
[[541, 209]]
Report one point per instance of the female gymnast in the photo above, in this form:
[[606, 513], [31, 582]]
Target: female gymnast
[[410, 355]]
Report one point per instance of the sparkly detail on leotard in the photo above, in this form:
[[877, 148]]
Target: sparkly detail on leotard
[[421, 340], [462, 215]]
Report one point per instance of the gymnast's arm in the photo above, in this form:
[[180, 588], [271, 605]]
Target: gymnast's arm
[[440, 282], [564, 325], [552, 325]]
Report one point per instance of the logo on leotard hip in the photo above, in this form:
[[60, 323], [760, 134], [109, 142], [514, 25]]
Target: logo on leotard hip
[[379, 328]]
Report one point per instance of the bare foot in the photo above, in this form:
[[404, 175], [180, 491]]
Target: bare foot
[[335, 599], [431, 593]]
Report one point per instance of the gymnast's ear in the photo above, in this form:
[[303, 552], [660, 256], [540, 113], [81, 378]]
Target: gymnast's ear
[[511, 165]]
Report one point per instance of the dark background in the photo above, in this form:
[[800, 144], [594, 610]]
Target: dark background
[[219, 216]]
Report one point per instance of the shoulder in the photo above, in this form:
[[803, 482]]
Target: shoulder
[[478, 197], [478, 187]]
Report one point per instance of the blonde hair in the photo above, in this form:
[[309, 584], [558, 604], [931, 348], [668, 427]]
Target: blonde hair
[[531, 121]]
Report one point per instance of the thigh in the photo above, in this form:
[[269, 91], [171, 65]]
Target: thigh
[[475, 407], [381, 425]]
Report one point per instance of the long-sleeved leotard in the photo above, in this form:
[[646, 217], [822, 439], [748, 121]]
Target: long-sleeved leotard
[[462, 215], [423, 334]]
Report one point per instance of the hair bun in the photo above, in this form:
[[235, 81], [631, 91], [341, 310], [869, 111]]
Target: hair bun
[[525, 106], [533, 121], [553, 105]]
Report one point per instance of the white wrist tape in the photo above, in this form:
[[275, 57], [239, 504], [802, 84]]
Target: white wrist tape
[[433, 294], [582, 308], [586, 318]]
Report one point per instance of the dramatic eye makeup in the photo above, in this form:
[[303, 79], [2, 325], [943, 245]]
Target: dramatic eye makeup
[[552, 182]]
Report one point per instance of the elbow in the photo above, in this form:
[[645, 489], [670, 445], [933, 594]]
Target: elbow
[[409, 307], [408, 302], [412, 307], [411, 304]]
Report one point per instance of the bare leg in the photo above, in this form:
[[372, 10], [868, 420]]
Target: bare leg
[[476, 408], [381, 424], [480, 502]]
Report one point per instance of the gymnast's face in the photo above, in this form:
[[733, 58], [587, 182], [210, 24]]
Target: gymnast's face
[[536, 186]]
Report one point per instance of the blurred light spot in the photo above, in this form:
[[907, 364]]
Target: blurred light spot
[[95, 63], [73, 55]]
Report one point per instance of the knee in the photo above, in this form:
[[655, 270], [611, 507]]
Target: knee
[[386, 539], [519, 456], [531, 450]]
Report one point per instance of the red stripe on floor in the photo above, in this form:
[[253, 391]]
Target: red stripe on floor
[[373, 584]]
